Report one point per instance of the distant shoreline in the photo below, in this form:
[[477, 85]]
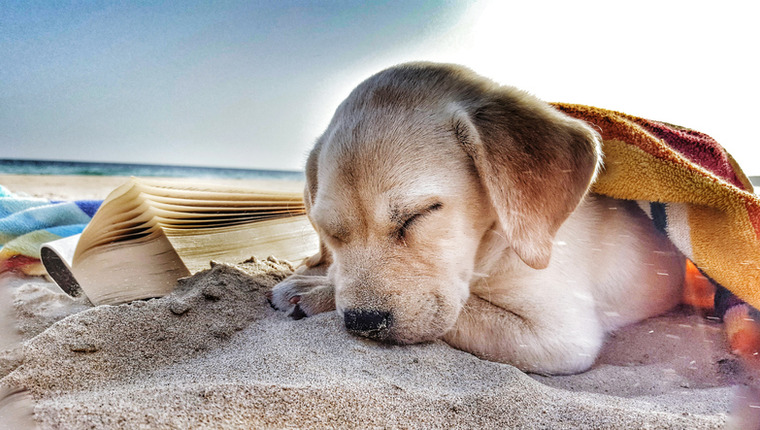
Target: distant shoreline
[[56, 167]]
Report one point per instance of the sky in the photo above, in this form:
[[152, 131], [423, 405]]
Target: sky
[[252, 84]]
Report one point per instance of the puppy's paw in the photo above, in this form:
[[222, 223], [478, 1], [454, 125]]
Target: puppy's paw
[[303, 296]]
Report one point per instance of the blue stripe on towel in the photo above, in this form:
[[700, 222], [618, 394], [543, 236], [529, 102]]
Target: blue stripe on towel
[[40, 218], [12, 205], [89, 206], [28, 222], [67, 230]]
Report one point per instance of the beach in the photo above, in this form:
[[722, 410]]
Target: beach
[[214, 354], [76, 187]]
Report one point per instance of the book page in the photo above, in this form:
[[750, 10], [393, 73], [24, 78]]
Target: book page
[[206, 191], [291, 239], [123, 200], [129, 271]]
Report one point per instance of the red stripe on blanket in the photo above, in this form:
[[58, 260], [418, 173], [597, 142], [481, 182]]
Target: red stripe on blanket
[[613, 125], [697, 147], [16, 263]]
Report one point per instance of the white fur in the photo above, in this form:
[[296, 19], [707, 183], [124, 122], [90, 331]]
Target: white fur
[[598, 279]]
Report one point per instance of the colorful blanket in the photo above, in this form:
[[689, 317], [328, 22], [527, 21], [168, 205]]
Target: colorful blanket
[[28, 222], [692, 189]]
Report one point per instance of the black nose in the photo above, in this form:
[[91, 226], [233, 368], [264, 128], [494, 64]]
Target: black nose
[[367, 323]]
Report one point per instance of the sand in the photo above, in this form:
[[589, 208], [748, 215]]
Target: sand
[[213, 354], [62, 187]]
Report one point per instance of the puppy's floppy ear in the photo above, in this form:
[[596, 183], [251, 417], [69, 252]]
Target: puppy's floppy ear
[[310, 189], [535, 163], [323, 257]]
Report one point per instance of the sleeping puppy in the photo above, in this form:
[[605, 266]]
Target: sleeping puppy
[[450, 207]]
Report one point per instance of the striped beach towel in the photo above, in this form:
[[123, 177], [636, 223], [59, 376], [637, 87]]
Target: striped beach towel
[[28, 222], [694, 192]]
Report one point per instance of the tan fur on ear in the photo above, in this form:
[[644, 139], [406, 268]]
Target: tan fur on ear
[[310, 190], [323, 258], [535, 163]]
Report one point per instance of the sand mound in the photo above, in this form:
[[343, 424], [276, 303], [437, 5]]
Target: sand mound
[[213, 354]]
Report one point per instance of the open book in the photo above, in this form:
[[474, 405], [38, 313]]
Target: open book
[[148, 233]]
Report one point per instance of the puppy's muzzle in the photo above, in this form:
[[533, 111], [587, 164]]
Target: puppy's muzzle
[[368, 323]]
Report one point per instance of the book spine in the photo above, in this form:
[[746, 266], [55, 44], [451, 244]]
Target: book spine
[[56, 256]]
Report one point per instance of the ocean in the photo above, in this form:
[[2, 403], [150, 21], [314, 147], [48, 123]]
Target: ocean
[[45, 167]]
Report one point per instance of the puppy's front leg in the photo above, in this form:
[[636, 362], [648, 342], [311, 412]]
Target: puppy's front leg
[[532, 342]]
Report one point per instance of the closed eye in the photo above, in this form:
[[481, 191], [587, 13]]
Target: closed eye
[[407, 224]]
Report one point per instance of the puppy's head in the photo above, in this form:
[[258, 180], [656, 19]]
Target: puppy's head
[[419, 165]]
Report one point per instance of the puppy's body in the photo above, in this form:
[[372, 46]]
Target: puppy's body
[[450, 207], [609, 268]]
